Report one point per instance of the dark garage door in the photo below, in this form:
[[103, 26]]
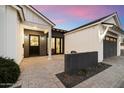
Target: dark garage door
[[110, 47]]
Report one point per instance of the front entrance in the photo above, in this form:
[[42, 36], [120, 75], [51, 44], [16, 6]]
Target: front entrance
[[110, 47], [34, 45]]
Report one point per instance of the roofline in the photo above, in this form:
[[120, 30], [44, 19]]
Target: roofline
[[90, 24], [113, 14], [96, 23], [119, 22], [72, 31], [41, 15], [59, 29], [20, 11]]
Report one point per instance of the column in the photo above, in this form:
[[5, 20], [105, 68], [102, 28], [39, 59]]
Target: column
[[49, 44]]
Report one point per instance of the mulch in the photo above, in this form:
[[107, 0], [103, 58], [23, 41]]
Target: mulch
[[70, 81]]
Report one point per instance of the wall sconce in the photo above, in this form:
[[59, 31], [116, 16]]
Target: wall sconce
[[26, 36]]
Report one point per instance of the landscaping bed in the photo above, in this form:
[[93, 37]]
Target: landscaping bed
[[9, 72], [83, 74]]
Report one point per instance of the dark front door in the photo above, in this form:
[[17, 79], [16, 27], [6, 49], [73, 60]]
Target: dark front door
[[34, 45], [110, 47]]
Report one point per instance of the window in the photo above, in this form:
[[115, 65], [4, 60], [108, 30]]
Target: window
[[34, 41], [53, 43], [61, 45], [57, 45]]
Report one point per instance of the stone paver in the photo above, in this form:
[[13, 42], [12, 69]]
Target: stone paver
[[111, 77], [38, 72]]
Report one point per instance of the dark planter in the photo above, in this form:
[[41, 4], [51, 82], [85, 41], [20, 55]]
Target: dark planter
[[78, 61]]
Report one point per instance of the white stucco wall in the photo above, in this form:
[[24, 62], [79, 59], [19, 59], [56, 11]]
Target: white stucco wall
[[2, 29], [85, 40], [19, 42], [10, 34]]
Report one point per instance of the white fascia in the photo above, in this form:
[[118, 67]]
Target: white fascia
[[20, 12]]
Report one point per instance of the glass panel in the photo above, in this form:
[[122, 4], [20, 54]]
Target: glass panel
[[47, 45], [34, 41], [61, 45], [53, 43], [57, 45]]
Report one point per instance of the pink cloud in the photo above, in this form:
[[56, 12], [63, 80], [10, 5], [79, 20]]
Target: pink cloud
[[61, 13], [59, 21], [70, 11], [85, 12]]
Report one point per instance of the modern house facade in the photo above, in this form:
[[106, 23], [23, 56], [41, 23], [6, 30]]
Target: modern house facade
[[26, 32], [102, 35]]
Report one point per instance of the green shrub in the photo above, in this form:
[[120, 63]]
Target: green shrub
[[82, 72], [9, 72]]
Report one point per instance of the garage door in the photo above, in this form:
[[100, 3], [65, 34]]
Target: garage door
[[110, 47]]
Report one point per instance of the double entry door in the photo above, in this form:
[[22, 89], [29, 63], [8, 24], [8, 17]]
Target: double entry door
[[57, 45]]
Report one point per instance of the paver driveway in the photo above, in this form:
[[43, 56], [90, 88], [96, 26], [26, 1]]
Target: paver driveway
[[39, 72]]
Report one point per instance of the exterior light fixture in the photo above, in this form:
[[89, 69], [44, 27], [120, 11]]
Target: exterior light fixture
[[26, 36]]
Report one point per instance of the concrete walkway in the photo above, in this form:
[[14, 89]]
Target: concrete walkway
[[38, 72]]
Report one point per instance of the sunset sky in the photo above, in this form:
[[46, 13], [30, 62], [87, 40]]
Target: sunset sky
[[72, 16]]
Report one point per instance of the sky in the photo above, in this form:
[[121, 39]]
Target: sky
[[68, 17]]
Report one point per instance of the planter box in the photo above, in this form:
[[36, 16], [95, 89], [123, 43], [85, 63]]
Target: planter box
[[75, 62]]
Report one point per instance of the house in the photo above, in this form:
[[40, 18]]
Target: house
[[102, 35], [25, 32]]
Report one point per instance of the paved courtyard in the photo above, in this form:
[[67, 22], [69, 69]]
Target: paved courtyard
[[38, 72]]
